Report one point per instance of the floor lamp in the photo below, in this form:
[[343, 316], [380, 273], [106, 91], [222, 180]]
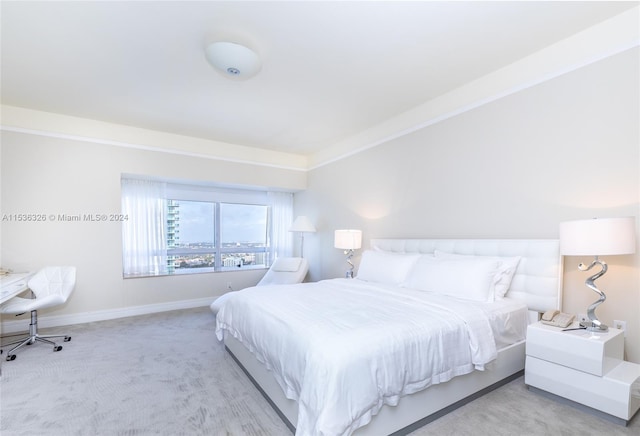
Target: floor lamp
[[597, 237], [301, 225]]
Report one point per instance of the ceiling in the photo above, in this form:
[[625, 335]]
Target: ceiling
[[329, 69]]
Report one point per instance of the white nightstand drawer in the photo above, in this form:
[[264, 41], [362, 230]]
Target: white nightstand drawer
[[593, 353], [616, 393]]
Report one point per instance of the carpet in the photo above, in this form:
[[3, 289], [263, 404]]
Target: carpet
[[166, 374]]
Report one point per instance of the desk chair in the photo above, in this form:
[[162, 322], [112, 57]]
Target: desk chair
[[51, 286], [284, 271]]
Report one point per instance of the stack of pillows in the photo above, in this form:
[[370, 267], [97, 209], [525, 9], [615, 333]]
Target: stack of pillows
[[477, 278]]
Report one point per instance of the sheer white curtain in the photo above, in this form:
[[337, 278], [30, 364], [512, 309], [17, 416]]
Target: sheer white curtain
[[281, 206], [144, 234]]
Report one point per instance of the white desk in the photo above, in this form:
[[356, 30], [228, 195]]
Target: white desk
[[13, 284], [10, 286]]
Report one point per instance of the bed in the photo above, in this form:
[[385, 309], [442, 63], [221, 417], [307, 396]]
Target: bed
[[383, 353]]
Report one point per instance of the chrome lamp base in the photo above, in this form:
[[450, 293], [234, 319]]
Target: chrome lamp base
[[594, 324], [349, 254], [591, 327]]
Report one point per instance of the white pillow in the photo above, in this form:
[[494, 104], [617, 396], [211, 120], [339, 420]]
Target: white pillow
[[470, 279], [385, 267], [507, 267], [286, 264]]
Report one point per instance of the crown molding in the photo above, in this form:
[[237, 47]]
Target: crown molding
[[52, 125], [606, 39]]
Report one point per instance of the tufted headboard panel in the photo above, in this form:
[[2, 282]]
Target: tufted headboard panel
[[537, 281]]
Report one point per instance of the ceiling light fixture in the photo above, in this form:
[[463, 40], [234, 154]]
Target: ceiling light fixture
[[233, 60]]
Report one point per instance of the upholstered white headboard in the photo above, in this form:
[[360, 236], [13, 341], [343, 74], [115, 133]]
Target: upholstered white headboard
[[538, 279]]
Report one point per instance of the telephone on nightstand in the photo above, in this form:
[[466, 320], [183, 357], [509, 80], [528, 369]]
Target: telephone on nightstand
[[557, 318]]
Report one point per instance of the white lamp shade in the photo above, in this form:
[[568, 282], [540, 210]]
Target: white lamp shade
[[348, 239], [302, 224], [598, 237], [233, 60]]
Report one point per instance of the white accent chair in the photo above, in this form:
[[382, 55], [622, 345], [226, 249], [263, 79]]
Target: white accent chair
[[51, 286], [284, 271]]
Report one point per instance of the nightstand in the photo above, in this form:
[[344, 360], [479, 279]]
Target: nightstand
[[584, 367]]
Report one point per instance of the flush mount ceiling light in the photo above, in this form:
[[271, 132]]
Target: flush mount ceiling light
[[233, 60]]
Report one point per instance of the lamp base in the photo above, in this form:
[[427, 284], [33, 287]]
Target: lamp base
[[594, 324], [349, 254], [592, 327]]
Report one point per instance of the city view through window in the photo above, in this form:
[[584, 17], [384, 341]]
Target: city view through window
[[208, 236]]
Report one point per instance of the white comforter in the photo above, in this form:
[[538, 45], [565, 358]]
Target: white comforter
[[344, 347]]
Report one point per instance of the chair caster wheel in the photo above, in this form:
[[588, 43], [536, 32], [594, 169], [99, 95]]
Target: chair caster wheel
[[57, 348], [67, 338], [11, 357]]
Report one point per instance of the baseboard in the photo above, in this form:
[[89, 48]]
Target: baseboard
[[44, 321]]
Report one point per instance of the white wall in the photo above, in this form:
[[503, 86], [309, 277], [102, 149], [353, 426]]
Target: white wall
[[515, 168], [51, 176]]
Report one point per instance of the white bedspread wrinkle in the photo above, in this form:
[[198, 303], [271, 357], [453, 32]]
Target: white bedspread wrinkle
[[343, 348]]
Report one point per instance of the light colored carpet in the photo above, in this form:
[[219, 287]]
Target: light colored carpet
[[166, 374]]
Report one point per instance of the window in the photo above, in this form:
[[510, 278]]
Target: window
[[243, 235], [191, 239], [192, 227], [202, 229]]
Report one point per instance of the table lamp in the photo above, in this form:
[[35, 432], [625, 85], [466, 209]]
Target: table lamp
[[597, 237], [348, 240]]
